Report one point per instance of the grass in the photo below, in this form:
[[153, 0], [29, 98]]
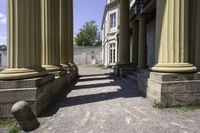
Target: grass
[[10, 124], [186, 106]]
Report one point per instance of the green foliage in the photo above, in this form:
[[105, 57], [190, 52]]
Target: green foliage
[[159, 105], [11, 124], [88, 35], [3, 47], [185, 106]]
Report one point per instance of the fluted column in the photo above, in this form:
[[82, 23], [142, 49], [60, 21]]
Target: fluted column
[[194, 36], [172, 37], [64, 33], [69, 36], [50, 35], [135, 44], [142, 48], [124, 41], [24, 40]]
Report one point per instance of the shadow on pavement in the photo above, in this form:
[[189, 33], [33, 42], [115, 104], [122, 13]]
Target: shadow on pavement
[[125, 91]]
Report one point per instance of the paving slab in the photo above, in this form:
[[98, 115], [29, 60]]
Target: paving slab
[[102, 103]]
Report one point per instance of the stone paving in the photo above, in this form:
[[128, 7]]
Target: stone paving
[[101, 103]]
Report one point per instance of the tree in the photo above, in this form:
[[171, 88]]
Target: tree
[[3, 47], [88, 35]]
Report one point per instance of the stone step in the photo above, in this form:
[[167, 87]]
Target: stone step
[[125, 72]]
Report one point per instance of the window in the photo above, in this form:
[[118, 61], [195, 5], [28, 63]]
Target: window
[[113, 20], [112, 53]]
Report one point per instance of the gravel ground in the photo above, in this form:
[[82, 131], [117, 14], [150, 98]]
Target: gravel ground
[[101, 103]]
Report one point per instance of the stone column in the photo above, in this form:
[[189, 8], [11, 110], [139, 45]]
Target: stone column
[[135, 44], [124, 41], [69, 36], [142, 48], [172, 37], [50, 35], [64, 33], [24, 40]]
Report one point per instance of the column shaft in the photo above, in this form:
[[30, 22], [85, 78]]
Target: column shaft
[[124, 41], [142, 48], [64, 33], [24, 40], [70, 41], [50, 35], [197, 35], [172, 37]]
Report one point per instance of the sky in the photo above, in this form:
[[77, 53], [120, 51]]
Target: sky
[[84, 10], [2, 21]]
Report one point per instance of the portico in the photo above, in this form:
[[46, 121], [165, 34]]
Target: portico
[[171, 77], [40, 57]]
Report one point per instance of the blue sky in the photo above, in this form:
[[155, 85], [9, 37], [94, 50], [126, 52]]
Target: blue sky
[[84, 10], [2, 21]]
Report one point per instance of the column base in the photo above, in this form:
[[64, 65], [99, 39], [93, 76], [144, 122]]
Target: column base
[[51, 68], [66, 67], [174, 68], [22, 73], [170, 89]]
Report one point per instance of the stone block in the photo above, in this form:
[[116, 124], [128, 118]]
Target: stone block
[[38, 92], [173, 89], [142, 80], [25, 116]]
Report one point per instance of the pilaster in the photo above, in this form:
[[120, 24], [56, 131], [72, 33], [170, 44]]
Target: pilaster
[[135, 43], [142, 48]]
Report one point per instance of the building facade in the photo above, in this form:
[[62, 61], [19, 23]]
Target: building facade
[[109, 29], [110, 32], [159, 39], [40, 53]]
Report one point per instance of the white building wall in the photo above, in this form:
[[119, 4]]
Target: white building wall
[[110, 36], [88, 55], [3, 59]]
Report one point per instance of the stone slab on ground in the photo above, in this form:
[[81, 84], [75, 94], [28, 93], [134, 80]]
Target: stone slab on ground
[[100, 103]]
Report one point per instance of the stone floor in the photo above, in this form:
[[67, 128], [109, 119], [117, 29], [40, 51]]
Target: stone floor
[[101, 103]]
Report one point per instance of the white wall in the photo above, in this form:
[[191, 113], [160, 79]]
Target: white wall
[[83, 55], [3, 62], [110, 36]]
